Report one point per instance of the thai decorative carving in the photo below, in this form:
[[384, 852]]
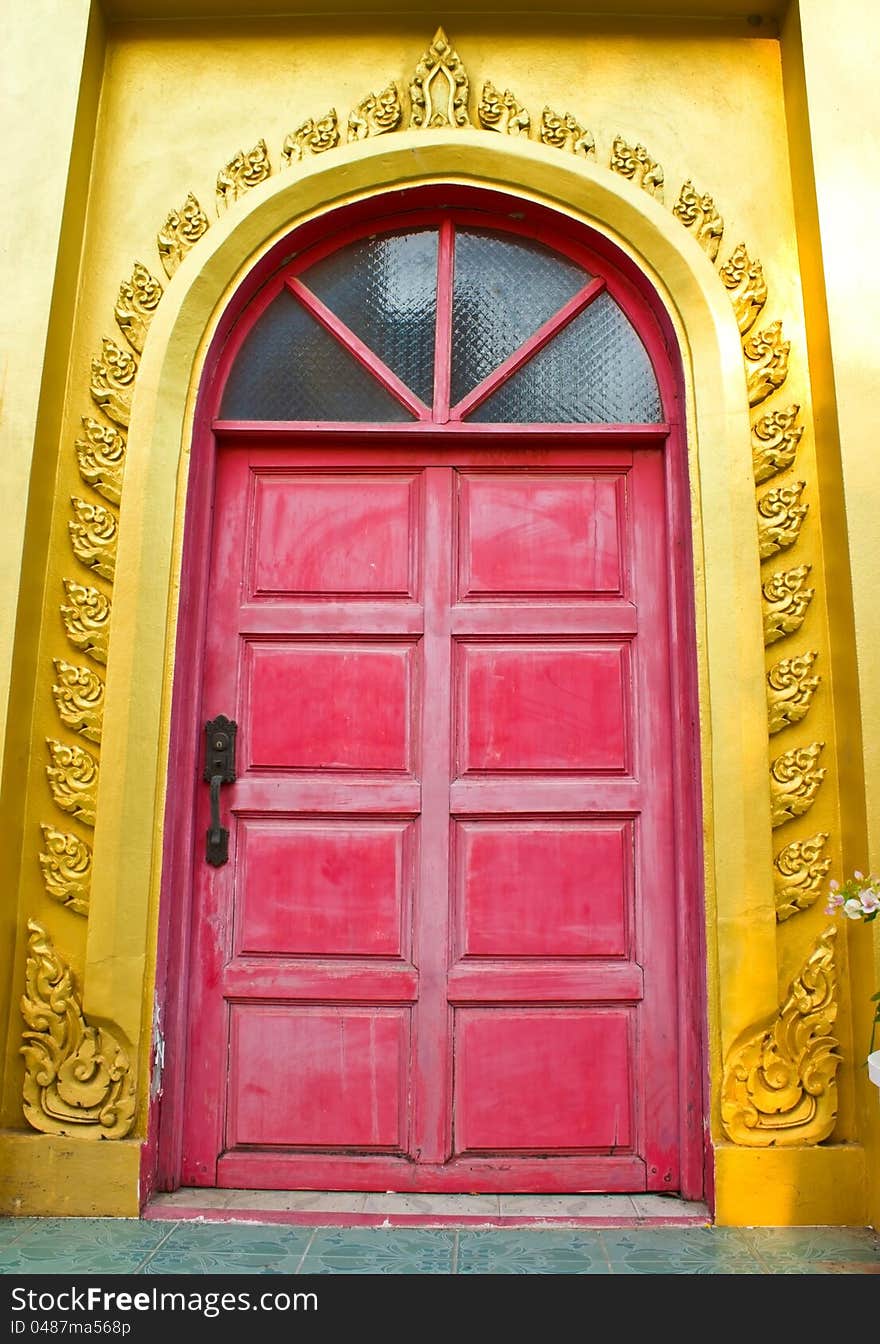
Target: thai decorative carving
[[93, 536], [790, 691], [242, 172], [563, 132], [439, 88], [67, 869], [769, 353], [182, 228], [312, 137], [780, 515], [101, 457], [79, 697], [376, 115], [800, 872], [112, 382], [502, 112], [748, 289], [785, 602], [692, 208], [138, 300], [779, 1087], [637, 165], [775, 438], [73, 779], [78, 1079], [87, 619], [794, 783]]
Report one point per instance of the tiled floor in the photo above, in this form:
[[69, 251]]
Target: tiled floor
[[233, 1233]]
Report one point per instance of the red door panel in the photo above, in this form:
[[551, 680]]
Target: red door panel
[[442, 953]]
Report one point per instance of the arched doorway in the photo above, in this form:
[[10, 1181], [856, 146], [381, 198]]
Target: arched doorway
[[448, 942]]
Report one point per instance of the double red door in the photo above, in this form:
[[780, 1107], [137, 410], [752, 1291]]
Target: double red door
[[442, 954]]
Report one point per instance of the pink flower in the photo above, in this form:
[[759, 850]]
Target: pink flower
[[870, 900], [853, 908], [835, 901]]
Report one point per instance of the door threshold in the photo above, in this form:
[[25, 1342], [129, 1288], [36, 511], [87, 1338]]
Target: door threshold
[[340, 1208]]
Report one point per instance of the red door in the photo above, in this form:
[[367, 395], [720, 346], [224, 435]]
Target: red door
[[445, 952]]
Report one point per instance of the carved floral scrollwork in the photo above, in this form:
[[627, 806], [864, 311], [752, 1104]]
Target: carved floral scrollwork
[[79, 698], [241, 173], [775, 438], [93, 533], [112, 382], [439, 88], [800, 872], [563, 132], [790, 690], [780, 516], [794, 782], [101, 457], [66, 864], [744, 279], [314, 136], [636, 164], [137, 302], [768, 352], [785, 602], [780, 1081], [73, 780], [181, 230], [78, 1079], [377, 114], [86, 617], [693, 208], [502, 112]]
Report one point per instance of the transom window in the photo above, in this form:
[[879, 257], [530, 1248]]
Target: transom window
[[448, 321]]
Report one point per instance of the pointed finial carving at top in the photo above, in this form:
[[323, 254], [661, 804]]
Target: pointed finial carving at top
[[439, 88]]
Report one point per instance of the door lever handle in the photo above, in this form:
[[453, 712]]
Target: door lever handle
[[219, 769]]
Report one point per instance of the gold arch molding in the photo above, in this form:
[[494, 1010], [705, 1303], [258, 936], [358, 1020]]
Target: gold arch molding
[[97, 1102]]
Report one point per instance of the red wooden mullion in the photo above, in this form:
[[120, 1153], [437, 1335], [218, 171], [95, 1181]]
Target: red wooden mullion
[[443, 329], [366, 357], [567, 313]]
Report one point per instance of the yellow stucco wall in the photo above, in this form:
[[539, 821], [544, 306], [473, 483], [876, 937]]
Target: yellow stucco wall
[[714, 104]]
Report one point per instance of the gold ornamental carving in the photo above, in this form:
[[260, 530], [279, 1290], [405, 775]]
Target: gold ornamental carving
[[93, 534], [66, 863], [439, 88], [744, 279], [636, 164], [137, 302], [780, 1081], [768, 353], [112, 382], [502, 112], [790, 691], [86, 617], [79, 698], [101, 458], [795, 779], [800, 872], [780, 516], [73, 780], [785, 602], [377, 114], [696, 209], [241, 173], [563, 132], [312, 137], [78, 1079], [181, 230], [775, 438]]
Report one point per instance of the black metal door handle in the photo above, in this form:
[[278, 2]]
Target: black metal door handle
[[219, 769]]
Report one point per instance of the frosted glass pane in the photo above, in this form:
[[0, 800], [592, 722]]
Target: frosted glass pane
[[503, 290], [384, 289], [595, 371], [290, 368]]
